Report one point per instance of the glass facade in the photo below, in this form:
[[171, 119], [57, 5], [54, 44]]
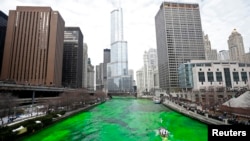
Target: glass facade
[[227, 77], [72, 58], [116, 25], [185, 76], [117, 70]]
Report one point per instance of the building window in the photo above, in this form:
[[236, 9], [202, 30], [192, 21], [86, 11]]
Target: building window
[[242, 64], [200, 69], [236, 76], [244, 76], [201, 76], [208, 64], [210, 76], [218, 76]]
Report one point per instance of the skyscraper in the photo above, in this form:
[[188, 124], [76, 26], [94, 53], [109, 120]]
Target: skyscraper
[[99, 76], [140, 81], [179, 39], [117, 75], [3, 27], [90, 76], [72, 57], [150, 64], [223, 55], [33, 51], [210, 54], [236, 46], [147, 77], [85, 66], [106, 60]]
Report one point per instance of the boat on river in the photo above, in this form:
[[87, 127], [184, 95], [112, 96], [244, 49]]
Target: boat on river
[[157, 100], [163, 132]]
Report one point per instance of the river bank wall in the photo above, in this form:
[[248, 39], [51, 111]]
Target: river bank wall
[[204, 119]]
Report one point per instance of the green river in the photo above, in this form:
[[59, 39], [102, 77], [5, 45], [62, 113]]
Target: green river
[[124, 119]]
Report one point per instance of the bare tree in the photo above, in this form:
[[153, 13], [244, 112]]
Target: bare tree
[[8, 104], [100, 94]]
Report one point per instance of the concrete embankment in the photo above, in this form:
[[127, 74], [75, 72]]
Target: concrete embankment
[[66, 115], [182, 110]]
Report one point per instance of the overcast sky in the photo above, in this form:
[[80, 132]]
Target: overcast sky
[[219, 18]]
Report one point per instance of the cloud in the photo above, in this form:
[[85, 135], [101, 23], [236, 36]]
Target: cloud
[[219, 18]]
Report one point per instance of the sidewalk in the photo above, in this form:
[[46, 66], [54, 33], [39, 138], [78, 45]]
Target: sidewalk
[[35, 115], [192, 114], [21, 118]]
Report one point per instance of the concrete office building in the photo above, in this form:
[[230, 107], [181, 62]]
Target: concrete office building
[[208, 75], [99, 77], [33, 51], [3, 27], [148, 76], [236, 46], [247, 58], [72, 58], [223, 55], [140, 82], [85, 66], [210, 54], [179, 39], [106, 60], [150, 65], [90, 76], [131, 74]]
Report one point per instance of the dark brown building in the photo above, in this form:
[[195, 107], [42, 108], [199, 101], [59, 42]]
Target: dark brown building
[[33, 51], [3, 27]]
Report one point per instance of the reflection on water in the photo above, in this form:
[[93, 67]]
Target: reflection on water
[[122, 119]]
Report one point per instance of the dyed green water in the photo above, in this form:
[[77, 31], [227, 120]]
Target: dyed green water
[[124, 120]]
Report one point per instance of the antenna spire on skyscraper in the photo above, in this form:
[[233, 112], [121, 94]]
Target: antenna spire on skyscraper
[[119, 3]]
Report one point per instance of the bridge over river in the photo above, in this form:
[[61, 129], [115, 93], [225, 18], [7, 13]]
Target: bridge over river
[[122, 94], [124, 119]]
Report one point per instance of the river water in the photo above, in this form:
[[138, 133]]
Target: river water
[[124, 119]]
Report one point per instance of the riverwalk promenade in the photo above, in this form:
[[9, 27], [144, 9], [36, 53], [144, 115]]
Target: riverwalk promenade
[[67, 114], [194, 115]]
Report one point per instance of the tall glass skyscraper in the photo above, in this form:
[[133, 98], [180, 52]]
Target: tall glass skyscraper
[[117, 69]]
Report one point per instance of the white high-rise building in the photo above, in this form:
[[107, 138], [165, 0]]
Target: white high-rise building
[[148, 77], [90, 76], [140, 81], [236, 46], [223, 55], [150, 64], [211, 54], [99, 77]]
